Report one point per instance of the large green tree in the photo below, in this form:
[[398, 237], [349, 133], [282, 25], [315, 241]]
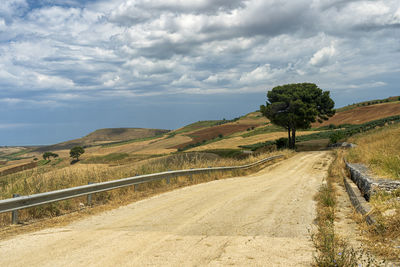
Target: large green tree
[[296, 106]]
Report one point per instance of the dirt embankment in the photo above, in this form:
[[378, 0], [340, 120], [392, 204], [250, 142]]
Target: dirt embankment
[[258, 220]]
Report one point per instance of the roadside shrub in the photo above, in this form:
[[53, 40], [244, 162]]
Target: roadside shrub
[[336, 136], [332, 126], [282, 143]]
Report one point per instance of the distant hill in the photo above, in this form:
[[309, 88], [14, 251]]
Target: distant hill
[[122, 134], [103, 136], [364, 112], [216, 134]]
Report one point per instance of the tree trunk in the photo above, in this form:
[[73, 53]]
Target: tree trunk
[[289, 139], [293, 138]]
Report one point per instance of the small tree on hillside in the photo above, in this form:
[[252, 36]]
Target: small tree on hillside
[[296, 106], [76, 152], [48, 155]]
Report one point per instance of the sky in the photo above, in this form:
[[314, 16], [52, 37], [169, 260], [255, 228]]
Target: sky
[[69, 67]]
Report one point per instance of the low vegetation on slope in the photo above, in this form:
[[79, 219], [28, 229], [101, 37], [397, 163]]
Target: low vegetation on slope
[[379, 150]]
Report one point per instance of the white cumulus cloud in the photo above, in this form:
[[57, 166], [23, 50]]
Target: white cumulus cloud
[[143, 48], [323, 56]]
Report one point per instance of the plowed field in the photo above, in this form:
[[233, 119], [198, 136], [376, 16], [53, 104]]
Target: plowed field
[[363, 114], [215, 131]]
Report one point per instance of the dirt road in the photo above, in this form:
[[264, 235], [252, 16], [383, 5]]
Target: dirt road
[[257, 220]]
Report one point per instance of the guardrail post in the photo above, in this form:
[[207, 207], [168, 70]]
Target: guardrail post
[[89, 197], [135, 186], [191, 176], [14, 214], [168, 178]]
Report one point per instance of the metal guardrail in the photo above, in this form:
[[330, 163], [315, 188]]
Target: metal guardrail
[[22, 202]]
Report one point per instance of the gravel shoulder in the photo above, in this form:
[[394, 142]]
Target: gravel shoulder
[[259, 220]]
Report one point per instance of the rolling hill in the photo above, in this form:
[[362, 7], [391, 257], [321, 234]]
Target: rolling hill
[[108, 135]]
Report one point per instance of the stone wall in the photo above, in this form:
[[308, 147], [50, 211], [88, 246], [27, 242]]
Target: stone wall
[[368, 184]]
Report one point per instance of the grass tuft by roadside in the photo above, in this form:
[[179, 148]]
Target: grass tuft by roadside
[[383, 238], [332, 249]]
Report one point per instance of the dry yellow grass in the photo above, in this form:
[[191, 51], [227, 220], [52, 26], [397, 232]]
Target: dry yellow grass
[[155, 146], [125, 148], [379, 150], [149, 147], [164, 146]]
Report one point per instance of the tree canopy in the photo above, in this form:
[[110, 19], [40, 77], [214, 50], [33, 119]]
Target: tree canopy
[[48, 155], [296, 106]]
